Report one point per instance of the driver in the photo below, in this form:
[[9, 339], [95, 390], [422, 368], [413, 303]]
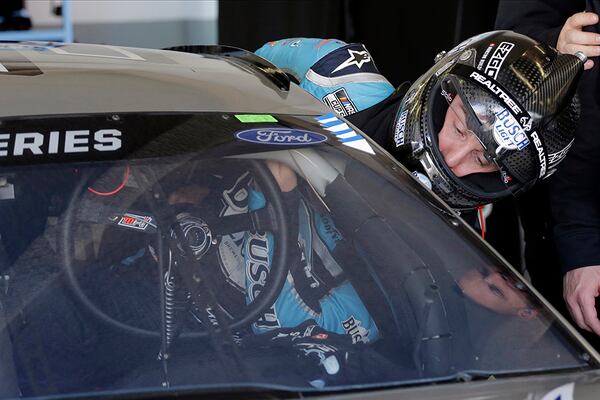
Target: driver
[[316, 288], [493, 116]]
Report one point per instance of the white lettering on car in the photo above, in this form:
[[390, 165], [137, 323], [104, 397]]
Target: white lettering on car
[[71, 141]]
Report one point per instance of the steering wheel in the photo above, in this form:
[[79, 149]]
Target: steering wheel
[[84, 208]]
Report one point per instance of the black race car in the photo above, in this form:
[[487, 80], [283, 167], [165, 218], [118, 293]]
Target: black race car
[[190, 222]]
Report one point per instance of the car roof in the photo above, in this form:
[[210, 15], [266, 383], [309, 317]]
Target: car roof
[[55, 78]]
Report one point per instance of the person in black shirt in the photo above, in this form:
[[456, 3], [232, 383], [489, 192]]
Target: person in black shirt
[[572, 26]]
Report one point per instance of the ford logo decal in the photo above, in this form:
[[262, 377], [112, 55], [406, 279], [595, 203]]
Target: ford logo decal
[[281, 136]]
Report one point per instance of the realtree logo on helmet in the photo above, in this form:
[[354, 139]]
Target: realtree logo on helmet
[[495, 89], [56, 142], [541, 153]]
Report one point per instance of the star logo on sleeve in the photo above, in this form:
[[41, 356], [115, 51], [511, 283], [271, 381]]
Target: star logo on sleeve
[[357, 58]]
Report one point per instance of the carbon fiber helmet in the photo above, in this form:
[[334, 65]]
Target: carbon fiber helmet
[[517, 97]]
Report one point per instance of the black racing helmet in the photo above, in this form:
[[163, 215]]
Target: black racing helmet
[[515, 94]]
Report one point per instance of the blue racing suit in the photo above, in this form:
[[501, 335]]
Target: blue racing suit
[[315, 288]]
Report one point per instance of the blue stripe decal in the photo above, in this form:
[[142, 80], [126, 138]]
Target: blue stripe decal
[[326, 116], [332, 123], [351, 139], [342, 132]]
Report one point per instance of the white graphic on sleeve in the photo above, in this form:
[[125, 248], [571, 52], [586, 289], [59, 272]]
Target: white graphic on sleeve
[[357, 58]]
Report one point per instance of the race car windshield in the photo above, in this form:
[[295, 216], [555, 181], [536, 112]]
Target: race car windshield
[[203, 253]]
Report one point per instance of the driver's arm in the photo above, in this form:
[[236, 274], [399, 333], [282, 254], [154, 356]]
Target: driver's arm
[[194, 194], [284, 176]]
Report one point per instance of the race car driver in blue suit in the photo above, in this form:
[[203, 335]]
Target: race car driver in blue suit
[[316, 288]]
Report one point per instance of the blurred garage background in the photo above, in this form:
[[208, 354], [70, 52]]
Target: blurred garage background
[[402, 42]]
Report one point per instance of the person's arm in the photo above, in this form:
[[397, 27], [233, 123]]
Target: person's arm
[[343, 76], [574, 190], [296, 55], [575, 202]]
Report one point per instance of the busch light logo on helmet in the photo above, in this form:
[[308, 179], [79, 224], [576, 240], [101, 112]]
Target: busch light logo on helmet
[[281, 136], [508, 133]]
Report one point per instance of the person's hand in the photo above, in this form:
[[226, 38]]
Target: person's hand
[[581, 286], [572, 38]]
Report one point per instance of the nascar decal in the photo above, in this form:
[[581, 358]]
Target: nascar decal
[[280, 136], [56, 142], [497, 59], [346, 135], [339, 102], [508, 133]]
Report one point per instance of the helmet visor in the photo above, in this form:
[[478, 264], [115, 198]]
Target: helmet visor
[[489, 130]]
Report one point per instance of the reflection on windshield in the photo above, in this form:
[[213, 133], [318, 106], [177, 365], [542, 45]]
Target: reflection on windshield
[[495, 290], [314, 268]]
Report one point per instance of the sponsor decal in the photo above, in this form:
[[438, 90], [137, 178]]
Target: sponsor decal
[[505, 177], [485, 56], [541, 154], [497, 59], [281, 136], [508, 133], [352, 327], [138, 222], [400, 127], [526, 123], [339, 102], [250, 118], [447, 96], [564, 392], [495, 89], [555, 158], [56, 142], [257, 270], [357, 57]]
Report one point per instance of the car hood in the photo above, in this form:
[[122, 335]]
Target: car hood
[[563, 386]]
